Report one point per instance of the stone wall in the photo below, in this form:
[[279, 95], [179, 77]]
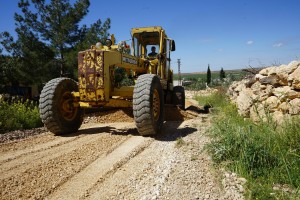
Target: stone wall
[[274, 91]]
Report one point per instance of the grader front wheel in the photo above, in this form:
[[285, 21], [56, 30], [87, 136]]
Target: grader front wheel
[[148, 104], [57, 109]]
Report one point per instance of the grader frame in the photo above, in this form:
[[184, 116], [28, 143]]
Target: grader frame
[[62, 101]]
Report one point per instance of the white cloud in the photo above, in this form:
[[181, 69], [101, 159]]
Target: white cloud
[[277, 44], [250, 42]]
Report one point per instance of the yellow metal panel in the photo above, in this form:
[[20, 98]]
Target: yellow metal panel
[[90, 75], [126, 92], [146, 29]]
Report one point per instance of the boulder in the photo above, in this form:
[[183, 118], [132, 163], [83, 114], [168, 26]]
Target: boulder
[[244, 101], [294, 107], [270, 80], [283, 72], [292, 66], [265, 92], [272, 71], [284, 107], [259, 76], [284, 93], [258, 113], [294, 79], [278, 117], [256, 88], [272, 103], [266, 71]]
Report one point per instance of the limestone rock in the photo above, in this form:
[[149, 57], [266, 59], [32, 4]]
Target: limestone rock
[[244, 102], [292, 66], [294, 107], [284, 93], [272, 103], [265, 92], [267, 71], [272, 71], [278, 117], [264, 72], [283, 72], [284, 107], [258, 113], [270, 80], [256, 88], [259, 76], [294, 79]]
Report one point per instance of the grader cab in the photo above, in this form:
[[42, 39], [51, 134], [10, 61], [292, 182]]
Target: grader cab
[[62, 100]]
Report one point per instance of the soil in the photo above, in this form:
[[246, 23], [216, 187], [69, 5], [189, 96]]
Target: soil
[[107, 159]]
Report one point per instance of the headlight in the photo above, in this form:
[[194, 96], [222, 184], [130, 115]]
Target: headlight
[[108, 42]]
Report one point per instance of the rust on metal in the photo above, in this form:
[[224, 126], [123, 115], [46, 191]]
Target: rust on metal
[[91, 75]]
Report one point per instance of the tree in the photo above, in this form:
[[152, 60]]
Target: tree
[[208, 75], [49, 38], [222, 74]]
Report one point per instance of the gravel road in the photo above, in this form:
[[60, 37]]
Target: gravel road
[[111, 161]]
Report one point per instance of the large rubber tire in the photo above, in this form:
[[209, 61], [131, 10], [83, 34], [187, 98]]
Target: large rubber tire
[[148, 104], [179, 96], [56, 106]]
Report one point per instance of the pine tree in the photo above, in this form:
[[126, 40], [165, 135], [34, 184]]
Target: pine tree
[[208, 75], [49, 38], [222, 74]]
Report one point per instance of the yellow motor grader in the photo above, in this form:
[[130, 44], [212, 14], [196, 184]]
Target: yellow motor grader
[[62, 100]]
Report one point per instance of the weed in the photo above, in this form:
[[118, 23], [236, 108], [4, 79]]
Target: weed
[[194, 157], [180, 142]]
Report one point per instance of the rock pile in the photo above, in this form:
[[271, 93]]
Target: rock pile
[[274, 91]]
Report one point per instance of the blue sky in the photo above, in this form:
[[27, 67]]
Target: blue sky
[[232, 34]]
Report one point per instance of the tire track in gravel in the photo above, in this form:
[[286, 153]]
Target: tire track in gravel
[[43, 155], [143, 176], [8, 156], [57, 141], [37, 179], [77, 187]]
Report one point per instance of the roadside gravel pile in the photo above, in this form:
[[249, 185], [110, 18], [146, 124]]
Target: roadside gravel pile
[[110, 116], [21, 134]]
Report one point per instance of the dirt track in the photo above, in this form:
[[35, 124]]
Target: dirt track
[[111, 161]]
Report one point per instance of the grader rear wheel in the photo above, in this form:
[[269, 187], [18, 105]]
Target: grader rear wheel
[[148, 104], [179, 96], [57, 109]]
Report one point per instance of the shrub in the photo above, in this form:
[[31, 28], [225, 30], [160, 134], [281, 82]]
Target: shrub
[[16, 116]]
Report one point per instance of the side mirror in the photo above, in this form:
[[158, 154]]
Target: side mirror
[[173, 45]]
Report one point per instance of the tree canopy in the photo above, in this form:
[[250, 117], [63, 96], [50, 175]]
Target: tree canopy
[[49, 35], [208, 75], [222, 74]]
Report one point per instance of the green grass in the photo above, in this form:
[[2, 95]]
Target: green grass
[[180, 142], [264, 154], [17, 116]]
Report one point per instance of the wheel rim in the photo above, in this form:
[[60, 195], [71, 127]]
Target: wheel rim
[[67, 108], [156, 105]]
